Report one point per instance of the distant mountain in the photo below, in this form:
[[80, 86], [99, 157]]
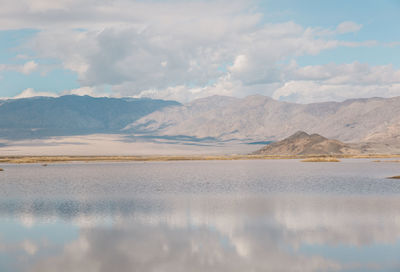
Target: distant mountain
[[373, 123], [302, 143], [260, 118], [71, 114]]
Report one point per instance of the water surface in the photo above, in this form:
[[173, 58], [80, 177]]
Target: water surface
[[262, 215]]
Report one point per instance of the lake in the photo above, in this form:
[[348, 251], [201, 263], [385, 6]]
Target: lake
[[256, 215]]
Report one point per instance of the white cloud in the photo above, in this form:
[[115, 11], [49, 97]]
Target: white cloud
[[352, 73], [334, 82], [311, 91], [348, 27], [181, 49], [39, 6], [29, 67], [134, 59], [94, 14], [32, 93], [85, 91], [26, 68], [240, 64], [316, 83], [223, 86]]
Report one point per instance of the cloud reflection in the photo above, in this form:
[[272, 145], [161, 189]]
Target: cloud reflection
[[219, 233], [160, 248]]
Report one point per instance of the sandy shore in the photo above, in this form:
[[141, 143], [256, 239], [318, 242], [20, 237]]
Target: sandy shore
[[118, 148], [119, 145]]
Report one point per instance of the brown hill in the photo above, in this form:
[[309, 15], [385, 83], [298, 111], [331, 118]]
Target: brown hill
[[302, 143]]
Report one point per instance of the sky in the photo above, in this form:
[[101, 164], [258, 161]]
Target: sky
[[298, 51]]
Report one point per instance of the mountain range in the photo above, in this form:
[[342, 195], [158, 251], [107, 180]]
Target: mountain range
[[260, 118], [254, 118], [72, 115]]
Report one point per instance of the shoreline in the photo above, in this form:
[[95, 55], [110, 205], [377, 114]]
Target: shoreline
[[63, 159]]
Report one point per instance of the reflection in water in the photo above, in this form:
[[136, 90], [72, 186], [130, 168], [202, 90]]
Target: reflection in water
[[241, 230]]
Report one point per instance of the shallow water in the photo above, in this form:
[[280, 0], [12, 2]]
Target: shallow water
[[200, 216]]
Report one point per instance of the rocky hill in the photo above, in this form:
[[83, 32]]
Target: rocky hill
[[302, 143]]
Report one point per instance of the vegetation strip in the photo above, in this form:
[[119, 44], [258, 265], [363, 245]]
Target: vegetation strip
[[387, 161], [59, 159], [321, 160]]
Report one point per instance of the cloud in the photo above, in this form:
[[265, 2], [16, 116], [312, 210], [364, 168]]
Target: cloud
[[225, 233], [174, 49], [93, 14], [85, 91], [154, 247], [94, 92], [29, 67], [307, 84], [240, 64], [134, 60], [310, 92], [32, 93], [334, 82], [348, 27]]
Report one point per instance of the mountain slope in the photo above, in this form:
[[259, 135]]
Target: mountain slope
[[260, 118], [68, 115], [302, 143]]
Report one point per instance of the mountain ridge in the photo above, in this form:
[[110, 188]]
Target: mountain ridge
[[72, 114], [369, 122], [260, 118]]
